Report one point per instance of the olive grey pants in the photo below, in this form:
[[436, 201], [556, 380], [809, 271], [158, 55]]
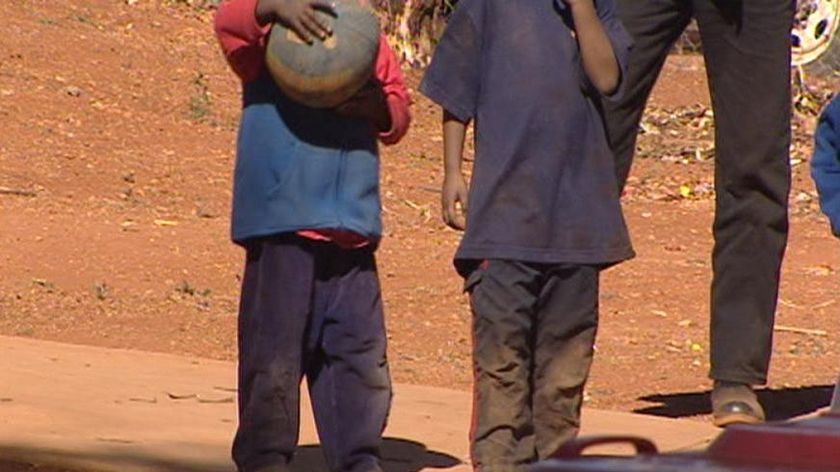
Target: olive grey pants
[[534, 329]]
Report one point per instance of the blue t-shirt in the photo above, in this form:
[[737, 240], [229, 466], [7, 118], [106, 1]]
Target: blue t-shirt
[[543, 187]]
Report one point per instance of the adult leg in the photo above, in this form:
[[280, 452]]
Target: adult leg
[[273, 315], [567, 321], [349, 385], [654, 25], [748, 59], [503, 295], [747, 49]]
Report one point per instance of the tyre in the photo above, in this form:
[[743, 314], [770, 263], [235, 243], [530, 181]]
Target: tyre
[[816, 36]]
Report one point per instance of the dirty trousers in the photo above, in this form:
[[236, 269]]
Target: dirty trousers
[[311, 309], [534, 329]]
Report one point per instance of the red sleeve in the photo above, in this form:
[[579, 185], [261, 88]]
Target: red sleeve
[[241, 37], [390, 75]]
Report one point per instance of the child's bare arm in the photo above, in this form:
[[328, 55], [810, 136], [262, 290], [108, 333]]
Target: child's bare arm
[[596, 50], [454, 186]]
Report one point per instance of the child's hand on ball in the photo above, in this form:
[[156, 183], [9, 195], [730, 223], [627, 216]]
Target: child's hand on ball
[[298, 15]]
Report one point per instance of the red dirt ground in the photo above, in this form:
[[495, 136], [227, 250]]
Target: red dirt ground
[[121, 121]]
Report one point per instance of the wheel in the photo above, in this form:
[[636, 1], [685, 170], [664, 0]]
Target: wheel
[[816, 36]]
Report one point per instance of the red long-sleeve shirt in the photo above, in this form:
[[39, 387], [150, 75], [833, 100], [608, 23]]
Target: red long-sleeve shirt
[[243, 42]]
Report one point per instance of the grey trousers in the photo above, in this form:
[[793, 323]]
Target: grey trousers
[[534, 329]]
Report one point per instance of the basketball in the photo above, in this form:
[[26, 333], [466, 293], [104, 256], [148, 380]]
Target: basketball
[[326, 73]]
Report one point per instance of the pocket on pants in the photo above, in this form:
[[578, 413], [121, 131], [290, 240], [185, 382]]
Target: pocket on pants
[[474, 278]]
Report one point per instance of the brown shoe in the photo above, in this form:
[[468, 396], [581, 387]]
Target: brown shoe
[[734, 403]]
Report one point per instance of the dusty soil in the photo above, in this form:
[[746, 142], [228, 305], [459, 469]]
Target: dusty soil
[[119, 123], [17, 467]]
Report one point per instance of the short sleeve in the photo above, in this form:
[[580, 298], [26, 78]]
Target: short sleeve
[[452, 79], [622, 42]]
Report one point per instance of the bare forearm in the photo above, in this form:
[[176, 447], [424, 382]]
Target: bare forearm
[[454, 193], [454, 133], [596, 50]]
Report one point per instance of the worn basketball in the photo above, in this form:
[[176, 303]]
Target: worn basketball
[[326, 73]]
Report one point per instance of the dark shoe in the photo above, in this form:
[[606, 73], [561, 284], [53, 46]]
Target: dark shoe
[[275, 468], [734, 403]]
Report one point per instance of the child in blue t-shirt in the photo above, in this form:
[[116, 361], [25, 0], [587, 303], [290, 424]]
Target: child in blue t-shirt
[[825, 166], [544, 215]]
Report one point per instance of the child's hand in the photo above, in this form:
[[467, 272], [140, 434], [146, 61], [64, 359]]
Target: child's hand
[[368, 103], [297, 15], [454, 191], [578, 3]]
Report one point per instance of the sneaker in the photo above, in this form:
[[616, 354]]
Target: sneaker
[[734, 403]]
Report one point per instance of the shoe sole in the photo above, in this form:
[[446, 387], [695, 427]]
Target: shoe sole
[[735, 419]]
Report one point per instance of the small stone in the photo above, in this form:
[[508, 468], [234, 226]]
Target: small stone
[[73, 91]]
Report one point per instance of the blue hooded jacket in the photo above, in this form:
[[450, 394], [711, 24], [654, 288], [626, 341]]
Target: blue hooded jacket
[[302, 168], [825, 165]]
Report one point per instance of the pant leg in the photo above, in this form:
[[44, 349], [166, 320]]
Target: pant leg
[[654, 25], [567, 321], [273, 315], [747, 49], [350, 386], [503, 296]]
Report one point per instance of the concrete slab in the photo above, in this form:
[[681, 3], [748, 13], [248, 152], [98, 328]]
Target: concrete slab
[[115, 410]]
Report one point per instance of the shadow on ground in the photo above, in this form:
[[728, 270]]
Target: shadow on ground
[[780, 404], [29, 457], [398, 455], [7, 466]]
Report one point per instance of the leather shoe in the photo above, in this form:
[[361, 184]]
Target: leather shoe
[[734, 403]]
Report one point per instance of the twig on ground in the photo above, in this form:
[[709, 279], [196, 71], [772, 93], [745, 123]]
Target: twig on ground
[[788, 304], [792, 329], [823, 304], [428, 188], [17, 191]]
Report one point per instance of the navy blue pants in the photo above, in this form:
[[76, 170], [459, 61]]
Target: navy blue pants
[[311, 309]]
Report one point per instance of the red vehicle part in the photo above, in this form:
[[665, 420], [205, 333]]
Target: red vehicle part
[[808, 445]]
